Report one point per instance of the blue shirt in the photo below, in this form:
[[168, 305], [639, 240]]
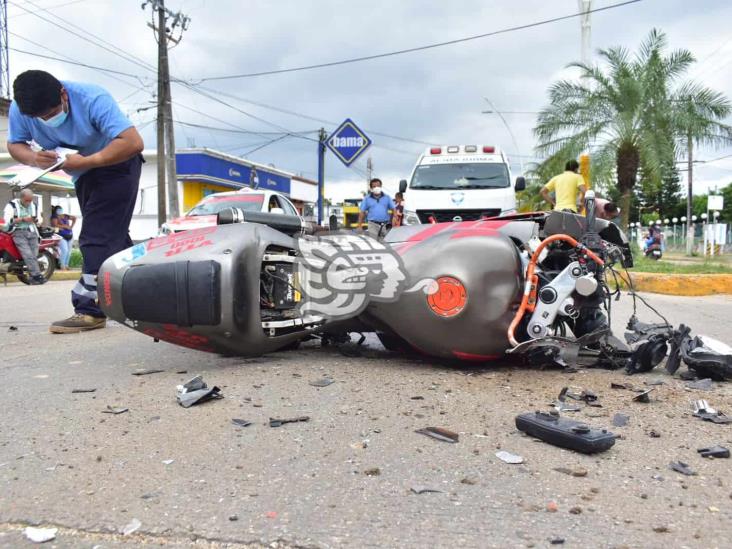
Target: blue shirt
[[377, 209], [94, 120]]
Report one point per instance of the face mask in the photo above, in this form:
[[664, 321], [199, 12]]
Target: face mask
[[376, 191], [59, 212], [57, 120]]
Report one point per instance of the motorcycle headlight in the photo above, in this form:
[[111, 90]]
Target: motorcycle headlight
[[410, 218]]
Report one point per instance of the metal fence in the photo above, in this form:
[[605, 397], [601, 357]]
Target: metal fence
[[674, 237]]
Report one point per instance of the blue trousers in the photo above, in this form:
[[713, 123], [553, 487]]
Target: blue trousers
[[107, 199], [64, 252]]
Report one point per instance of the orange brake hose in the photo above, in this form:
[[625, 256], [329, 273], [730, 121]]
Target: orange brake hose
[[532, 281]]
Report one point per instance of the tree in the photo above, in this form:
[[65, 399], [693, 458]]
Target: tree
[[626, 111]]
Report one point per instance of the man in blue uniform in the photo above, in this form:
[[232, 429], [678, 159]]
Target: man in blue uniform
[[375, 208], [106, 170]]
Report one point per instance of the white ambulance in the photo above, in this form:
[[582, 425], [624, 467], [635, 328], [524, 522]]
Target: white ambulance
[[459, 183]]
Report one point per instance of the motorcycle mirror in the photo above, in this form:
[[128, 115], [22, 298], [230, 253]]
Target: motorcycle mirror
[[520, 183], [403, 186]]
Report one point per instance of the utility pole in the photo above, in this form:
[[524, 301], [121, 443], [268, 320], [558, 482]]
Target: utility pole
[[369, 170], [165, 34], [322, 138], [585, 6], [4, 67], [689, 199]]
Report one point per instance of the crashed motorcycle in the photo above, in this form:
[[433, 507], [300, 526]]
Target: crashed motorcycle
[[534, 287]]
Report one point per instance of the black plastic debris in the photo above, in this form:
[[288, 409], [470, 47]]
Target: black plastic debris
[[620, 420], [424, 490], [278, 422], [241, 422], [620, 386], [566, 433], [324, 382], [703, 410], [681, 467], [146, 371], [196, 391], [439, 433], [83, 390], [115, 411], [714, 452], [702, 384], [643, 397], [417, 397], [12, 328]]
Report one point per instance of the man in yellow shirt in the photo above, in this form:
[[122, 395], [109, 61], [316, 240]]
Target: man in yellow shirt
[[565, 186]]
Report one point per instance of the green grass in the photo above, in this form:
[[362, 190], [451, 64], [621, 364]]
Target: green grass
[[645, 265], [75, 259]]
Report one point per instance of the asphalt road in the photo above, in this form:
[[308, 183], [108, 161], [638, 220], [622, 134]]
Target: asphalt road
[[64, 463]]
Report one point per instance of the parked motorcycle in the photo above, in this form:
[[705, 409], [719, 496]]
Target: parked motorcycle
[[11, 262]]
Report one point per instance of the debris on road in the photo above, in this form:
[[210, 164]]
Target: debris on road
[[241, 422], [115, 411], [714, 452], [278, 422], [360, 445], [40, 535], [83, 390], [132, 527], [439, 433], [146, 372], [702, 384], [620, 420], [12, 328], [654, 382], [578, 472], [681, 467], [508, 457], [372, 472], [703, 410], [324, 382], [588, 397], [168, 461], [424, 490], [566, 433], [620, 386], [196, 391], [643, 397], [552, 507]]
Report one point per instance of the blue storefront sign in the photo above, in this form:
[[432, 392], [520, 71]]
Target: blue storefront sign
[[348, 142], [204, 166]]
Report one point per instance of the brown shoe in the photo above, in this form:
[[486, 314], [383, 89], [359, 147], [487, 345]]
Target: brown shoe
[[77, 323]]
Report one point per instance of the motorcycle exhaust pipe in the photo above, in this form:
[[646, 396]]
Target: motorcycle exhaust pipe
[[288, 224]]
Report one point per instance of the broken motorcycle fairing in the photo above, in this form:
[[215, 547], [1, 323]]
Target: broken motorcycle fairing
[[462, 290]]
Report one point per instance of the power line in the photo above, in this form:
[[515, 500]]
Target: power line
[[77, 63], [55, 6], [420, 48], [232, 130]]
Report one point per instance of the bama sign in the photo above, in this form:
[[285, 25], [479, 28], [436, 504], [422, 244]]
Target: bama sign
[[348, 142]]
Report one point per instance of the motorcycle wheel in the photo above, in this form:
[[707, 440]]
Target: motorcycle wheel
[[47, 264]]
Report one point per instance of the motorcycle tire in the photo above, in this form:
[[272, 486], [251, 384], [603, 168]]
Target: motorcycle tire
[[46, 262], [393, 342]]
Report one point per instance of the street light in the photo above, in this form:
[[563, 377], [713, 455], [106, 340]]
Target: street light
[[675, 220], [694, 218], [683, 219], [704, 217], [716, 215], [666, 221]]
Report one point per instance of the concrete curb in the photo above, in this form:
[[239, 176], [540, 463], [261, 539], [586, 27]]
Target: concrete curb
[[57, 275], [683, 284]]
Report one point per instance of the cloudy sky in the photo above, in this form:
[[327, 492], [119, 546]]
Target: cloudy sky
[[431, 96]]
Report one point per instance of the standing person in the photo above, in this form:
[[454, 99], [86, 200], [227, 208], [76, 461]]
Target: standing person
[[398, 216], [106, 170], [65, 225], [21, 218], [375, 208], [566, 186]]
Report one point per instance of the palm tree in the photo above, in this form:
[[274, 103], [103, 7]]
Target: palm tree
[[629, 113]]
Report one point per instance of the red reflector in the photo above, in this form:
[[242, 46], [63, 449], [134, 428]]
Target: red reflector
[[435, 150], [489, 149]]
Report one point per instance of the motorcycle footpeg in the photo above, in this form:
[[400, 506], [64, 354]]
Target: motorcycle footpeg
[[566, 433]]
